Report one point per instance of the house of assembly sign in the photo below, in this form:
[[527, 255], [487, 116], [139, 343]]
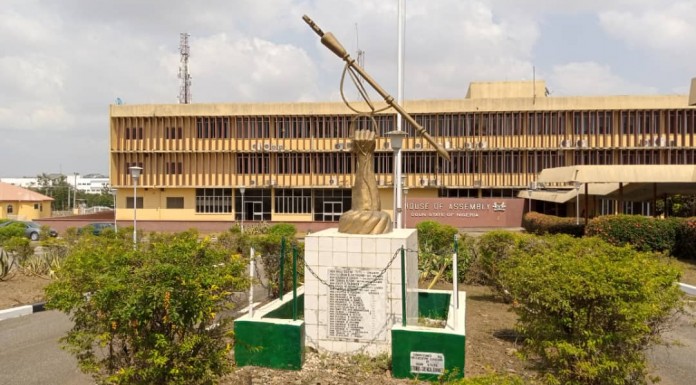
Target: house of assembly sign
[[465, 212]]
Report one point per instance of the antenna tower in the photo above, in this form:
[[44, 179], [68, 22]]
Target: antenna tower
[[185, 87]]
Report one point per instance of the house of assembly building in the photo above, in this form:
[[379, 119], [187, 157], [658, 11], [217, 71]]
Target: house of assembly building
[[293, 160]]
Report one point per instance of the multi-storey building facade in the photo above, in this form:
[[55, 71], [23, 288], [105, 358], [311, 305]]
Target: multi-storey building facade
[[294, 163]]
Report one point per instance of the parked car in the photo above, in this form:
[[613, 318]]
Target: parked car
[[97, 228], [32, 230]]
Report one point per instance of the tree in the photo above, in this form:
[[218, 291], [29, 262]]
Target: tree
[[148, 316], [56, 188]]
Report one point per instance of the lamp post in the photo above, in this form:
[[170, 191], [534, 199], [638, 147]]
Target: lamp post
[[241, 191], [405, 190], [396, 139], [135, 174], [113, 192], [577, 202]]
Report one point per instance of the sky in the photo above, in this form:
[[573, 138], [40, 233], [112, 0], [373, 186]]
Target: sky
[[62, 63]]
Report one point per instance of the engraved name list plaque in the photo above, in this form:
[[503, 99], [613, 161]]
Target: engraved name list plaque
[[357, 315]]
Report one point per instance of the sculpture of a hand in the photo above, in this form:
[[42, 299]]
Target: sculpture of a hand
[[365, 215]]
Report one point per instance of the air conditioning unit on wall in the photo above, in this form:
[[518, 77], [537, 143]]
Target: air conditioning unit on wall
[[339, 146]]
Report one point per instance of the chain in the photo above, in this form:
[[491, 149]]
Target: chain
[[363, 346], [357, 288]]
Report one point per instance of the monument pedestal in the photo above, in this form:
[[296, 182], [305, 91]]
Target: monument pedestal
[[352, 289]]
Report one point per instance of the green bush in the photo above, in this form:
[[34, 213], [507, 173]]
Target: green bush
[[435, 249], [540, 224], [148, 316], [685, 245], [20, 248], [11, 231], [493, 248], [643, 233], [589, 309]]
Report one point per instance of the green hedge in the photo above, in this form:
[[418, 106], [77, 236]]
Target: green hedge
[[536, 223], [685, 245], [642, 233]]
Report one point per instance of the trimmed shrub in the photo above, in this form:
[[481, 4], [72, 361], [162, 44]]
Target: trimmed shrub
[[149, 316], [540, 224], [9, 232], [435, 248], [493, 248], [685, 245], [20, 248], [643, 233], [588, 309]]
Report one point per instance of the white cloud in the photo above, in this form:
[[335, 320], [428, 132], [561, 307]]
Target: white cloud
[[667, 27], [590, 78], [251, 69], [63, 62]]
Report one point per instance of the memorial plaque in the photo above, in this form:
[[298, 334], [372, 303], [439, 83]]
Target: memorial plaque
[[357, 314], [427, 363]]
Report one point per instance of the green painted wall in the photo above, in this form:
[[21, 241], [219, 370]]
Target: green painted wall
[[269, 344], [433, 305], [285, 310], [405, 341]]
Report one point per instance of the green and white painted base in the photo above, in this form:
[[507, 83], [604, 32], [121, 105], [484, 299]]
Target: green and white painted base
[[270, 338], [426, 352]]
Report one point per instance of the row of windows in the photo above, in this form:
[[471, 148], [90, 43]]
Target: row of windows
[[326, 204], [636, 122], [255, 204], [500, 162]]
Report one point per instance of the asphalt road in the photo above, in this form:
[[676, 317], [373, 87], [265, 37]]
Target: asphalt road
[[30, 352], [675, 364]]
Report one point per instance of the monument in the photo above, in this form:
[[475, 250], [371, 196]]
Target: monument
[[353, 288]]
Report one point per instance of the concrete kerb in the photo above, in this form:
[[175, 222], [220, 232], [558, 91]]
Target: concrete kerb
[[688, 289], [19, 311]]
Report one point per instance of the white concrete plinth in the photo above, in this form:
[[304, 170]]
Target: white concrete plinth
[[351, 298]]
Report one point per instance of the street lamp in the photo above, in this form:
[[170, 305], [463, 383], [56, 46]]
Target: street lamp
[[241, 191], [396, 138], [135, 174], [113, 192], [577, 202], [405, 190]]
